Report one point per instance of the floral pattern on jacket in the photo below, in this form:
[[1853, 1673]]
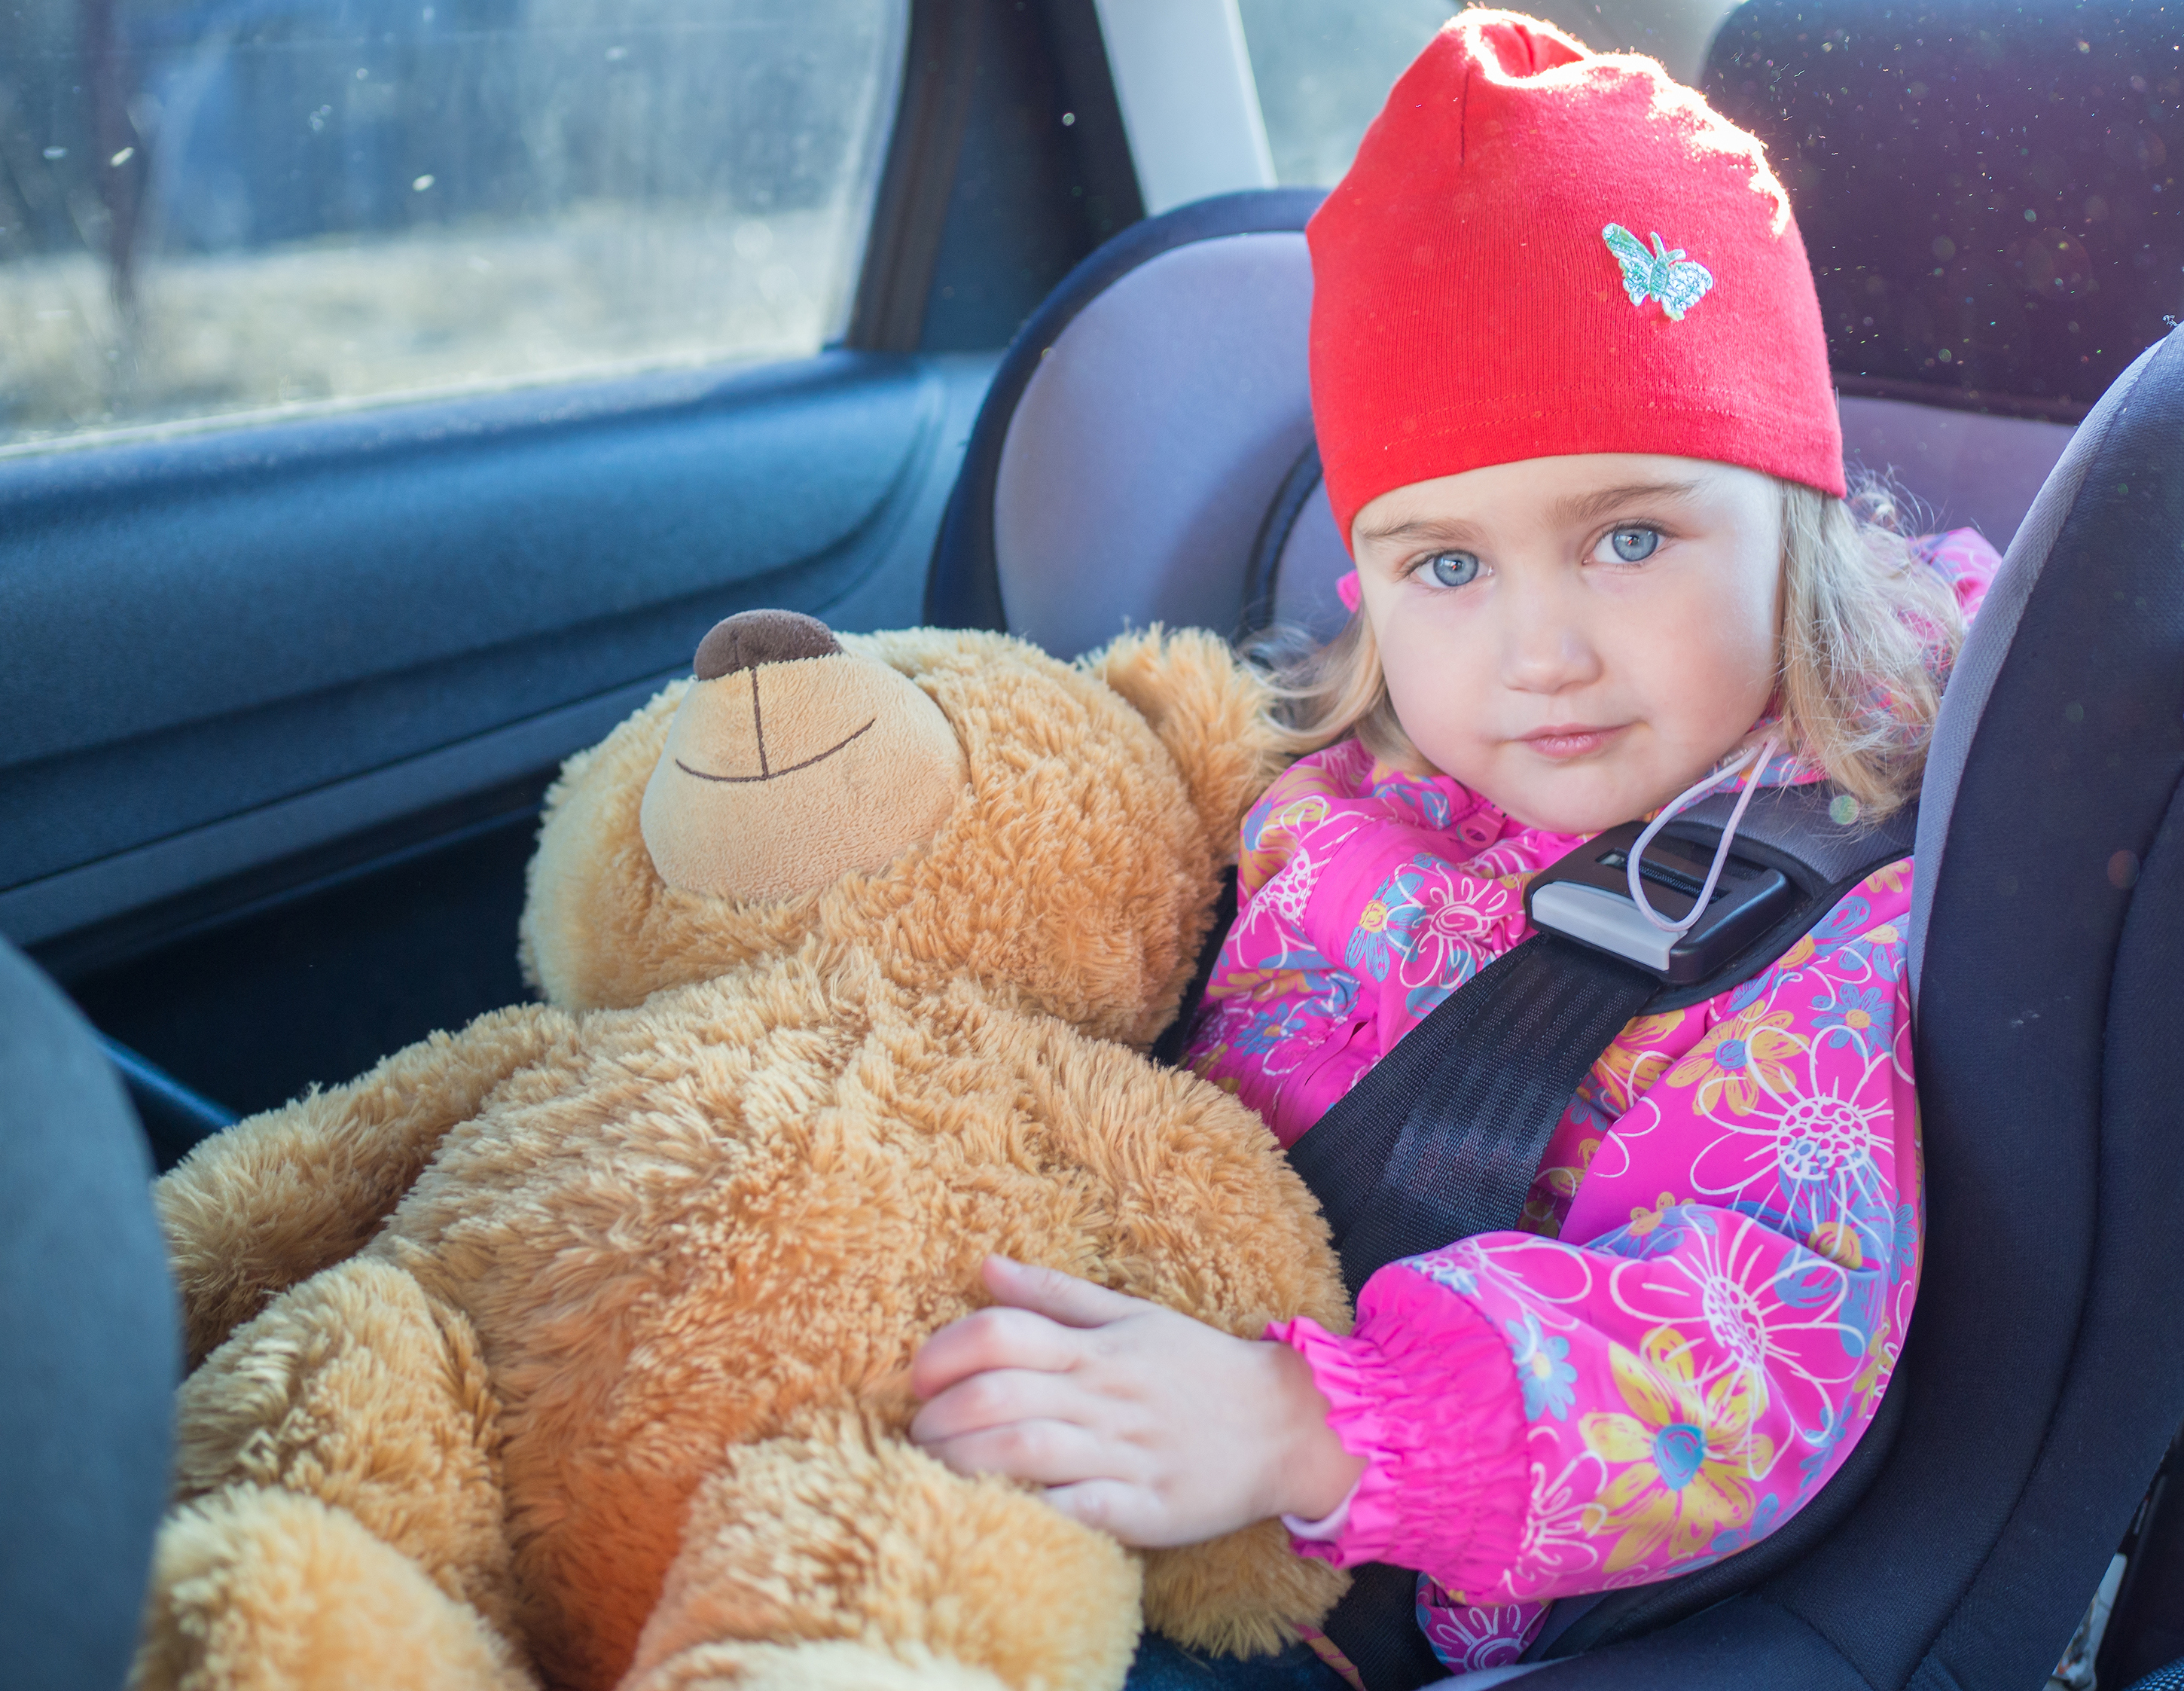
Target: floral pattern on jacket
[[1708, 1291]]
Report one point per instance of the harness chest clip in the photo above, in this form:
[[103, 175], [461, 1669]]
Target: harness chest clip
[[1586, 897]]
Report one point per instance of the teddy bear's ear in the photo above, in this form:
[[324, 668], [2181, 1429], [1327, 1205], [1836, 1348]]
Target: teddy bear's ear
[[1213, 713]]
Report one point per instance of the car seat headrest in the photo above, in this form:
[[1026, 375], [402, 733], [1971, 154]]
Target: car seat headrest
[[1298, 558], [1136, 431]]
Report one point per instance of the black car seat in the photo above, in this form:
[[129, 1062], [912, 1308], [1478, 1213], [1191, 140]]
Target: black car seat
[[2044, 1371], [2026, 1421], [88, 1326]]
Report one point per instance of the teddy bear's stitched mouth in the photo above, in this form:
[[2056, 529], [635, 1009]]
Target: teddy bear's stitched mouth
[[767, 774]]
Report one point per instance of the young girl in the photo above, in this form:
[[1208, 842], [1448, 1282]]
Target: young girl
[[1572, 399]]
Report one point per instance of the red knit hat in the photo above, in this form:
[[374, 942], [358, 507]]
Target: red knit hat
[[1542, 250]]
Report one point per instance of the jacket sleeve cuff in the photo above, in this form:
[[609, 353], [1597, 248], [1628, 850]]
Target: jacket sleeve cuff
[[1425, 1391]]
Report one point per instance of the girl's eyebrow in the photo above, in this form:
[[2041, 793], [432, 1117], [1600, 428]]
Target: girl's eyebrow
[[1581, 508], [1451, 530], [1568, 511]]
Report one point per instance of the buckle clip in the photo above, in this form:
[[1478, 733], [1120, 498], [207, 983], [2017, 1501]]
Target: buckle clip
[[1586, 897]]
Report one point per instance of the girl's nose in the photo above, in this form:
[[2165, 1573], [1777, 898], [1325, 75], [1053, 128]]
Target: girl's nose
[[1545, 648]]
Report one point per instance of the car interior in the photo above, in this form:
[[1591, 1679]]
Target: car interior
[[287, 674]]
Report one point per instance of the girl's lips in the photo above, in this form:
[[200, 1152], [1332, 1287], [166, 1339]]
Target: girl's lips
[[1562, 741]]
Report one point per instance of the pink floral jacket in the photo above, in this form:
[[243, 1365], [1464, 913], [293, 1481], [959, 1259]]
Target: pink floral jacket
[[1712, 1278]]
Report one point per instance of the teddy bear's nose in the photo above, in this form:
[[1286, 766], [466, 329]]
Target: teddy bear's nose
[[751, 638]]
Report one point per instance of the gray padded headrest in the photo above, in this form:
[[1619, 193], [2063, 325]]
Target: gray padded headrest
[[1314, 559], [1968, 469], [1141, 460]]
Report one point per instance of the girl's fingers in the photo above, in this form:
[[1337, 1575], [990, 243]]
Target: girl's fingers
[[1060, 1297], [1045, 1453], [991, 1339], [995, 1398]]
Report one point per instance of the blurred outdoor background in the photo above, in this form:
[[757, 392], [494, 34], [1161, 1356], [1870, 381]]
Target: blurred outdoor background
[[216, 207], [209, 206]]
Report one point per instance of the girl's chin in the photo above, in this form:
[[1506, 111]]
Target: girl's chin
[[1581, 796], [1575, 811]]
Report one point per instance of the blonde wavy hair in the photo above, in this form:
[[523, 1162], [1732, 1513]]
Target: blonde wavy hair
[[1869, 635]]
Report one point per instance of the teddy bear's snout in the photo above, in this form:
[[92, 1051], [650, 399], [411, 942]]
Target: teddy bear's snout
[[791, 761], [751, 638]]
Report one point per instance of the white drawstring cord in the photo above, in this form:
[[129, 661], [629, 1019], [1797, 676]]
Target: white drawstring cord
[[1689, 795]]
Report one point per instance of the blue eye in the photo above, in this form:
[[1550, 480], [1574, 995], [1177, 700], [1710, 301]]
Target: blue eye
[[1633, 546], [1452, 569]]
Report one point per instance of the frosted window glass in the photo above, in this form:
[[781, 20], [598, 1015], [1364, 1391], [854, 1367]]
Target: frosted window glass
[[212, 207], [1323, 67]]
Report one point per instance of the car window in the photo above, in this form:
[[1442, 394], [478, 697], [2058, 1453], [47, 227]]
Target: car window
[[1324, 66], [210, 207]]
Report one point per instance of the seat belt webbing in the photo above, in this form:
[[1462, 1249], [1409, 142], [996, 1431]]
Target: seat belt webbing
[[1441, 1141], [1444, 1138]]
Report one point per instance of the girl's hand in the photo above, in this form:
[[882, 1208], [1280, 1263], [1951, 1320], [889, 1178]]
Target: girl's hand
[[1139, 1421]]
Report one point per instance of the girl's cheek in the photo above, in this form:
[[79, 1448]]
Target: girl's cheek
[[1756, 634], [1434, 689], [1698, 663], [1428, 660], [1739, 671]]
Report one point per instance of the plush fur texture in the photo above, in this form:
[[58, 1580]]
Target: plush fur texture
[[572, 1350]]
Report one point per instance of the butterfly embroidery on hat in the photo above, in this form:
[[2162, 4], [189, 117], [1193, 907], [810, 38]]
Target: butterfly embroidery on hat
[[1678, 282]]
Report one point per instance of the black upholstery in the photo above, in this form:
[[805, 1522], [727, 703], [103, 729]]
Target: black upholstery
[[2145, 1629], [2044, 1372], [2049, 998], [88, 1330], [1915, 138]]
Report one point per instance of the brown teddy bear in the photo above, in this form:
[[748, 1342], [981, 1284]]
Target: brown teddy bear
[[573, 1349]]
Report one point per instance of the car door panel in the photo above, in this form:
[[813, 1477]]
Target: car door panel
[[282, 694], [307, 651], [273, 887], [316, 983]]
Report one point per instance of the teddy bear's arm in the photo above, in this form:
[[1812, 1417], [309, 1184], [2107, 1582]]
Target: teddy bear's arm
[[278, 1197]]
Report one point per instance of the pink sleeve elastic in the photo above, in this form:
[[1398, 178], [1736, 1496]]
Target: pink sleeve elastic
[[1425, 1392], [1349, 880]]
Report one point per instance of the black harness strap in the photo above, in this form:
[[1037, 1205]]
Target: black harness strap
[[1443, 1138], [1449, 1144]]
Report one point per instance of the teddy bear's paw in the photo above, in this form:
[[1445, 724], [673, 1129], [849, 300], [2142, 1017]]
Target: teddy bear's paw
[[847, 1533], [360, 1389], [831, 1665], [254, 1589], [1242, 1594]]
